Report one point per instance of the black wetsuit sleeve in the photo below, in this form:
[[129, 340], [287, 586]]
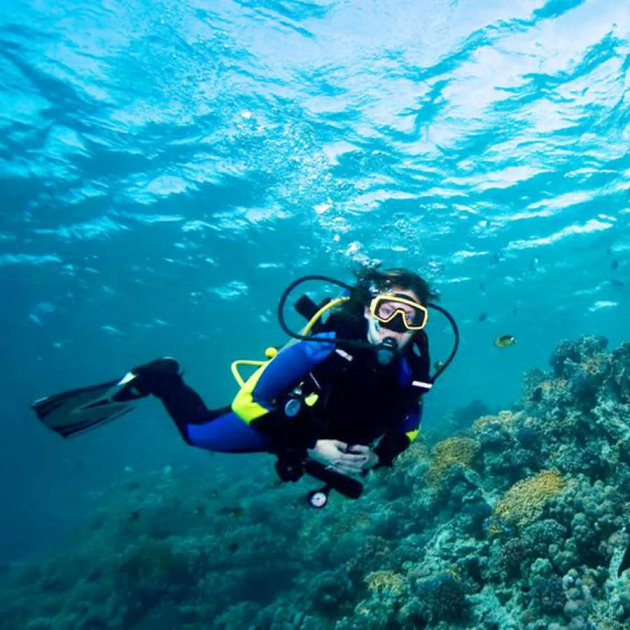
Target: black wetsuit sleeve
[[390, 447], [394, 443]]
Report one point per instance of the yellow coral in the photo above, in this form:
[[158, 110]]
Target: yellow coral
[[552, 386], [524, 501], [379, 581], [505, 419], [448, 453], [596, 364], [494, 530]]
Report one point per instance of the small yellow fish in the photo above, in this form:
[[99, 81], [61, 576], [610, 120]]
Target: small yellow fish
[[504, 341]]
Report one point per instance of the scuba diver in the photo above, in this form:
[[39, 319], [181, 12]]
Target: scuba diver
[[341, 398]]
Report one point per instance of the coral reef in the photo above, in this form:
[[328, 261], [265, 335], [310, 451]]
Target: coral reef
[[518, 523], [450, 452], [524, 502]]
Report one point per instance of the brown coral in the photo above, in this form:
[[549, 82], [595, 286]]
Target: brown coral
[[525, 500], [505, 418], [597, 364], [379, 581], [448, 453]]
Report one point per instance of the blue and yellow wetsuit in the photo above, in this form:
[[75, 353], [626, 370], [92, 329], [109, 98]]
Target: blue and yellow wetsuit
[[356, 405]]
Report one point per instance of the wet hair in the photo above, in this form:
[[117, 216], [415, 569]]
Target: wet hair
[[370, 282]]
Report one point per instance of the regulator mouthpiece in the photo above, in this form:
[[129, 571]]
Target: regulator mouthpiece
[[386, 352]]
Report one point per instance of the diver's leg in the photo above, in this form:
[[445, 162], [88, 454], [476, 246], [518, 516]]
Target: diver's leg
[[216, 430], [227, 433], [162, 379]]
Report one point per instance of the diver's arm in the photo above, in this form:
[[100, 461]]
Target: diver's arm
[[290, 367], [393, 443], [258, 406]]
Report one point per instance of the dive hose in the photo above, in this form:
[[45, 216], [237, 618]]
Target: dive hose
[[384, 347]]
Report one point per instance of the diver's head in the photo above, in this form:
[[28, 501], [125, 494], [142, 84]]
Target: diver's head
[[395, 314], [393, 302]]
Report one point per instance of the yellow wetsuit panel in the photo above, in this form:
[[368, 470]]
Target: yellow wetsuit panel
[[244, 404], [412, 435]]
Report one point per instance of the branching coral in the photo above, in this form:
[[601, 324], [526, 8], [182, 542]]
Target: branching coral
[[505, 419], [441, 597], [380, 581], [524, 501], [417, 452], [597, 364], [448, 453]]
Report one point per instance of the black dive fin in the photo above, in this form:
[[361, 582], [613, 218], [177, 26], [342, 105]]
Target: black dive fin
[[76, 411]]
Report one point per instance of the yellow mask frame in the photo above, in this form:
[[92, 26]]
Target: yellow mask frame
[[396, 299]]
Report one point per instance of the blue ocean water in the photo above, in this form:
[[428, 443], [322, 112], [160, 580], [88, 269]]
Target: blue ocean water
[[166, 168]]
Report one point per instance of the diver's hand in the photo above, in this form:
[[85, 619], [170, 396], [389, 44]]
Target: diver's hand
[[371, 458], [335, 456]]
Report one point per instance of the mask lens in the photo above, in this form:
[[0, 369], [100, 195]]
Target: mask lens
[[415, 318], [385, 310], [389, 309], [396, 324]]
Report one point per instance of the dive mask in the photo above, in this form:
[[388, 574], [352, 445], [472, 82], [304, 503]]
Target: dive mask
[[398, 312]]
